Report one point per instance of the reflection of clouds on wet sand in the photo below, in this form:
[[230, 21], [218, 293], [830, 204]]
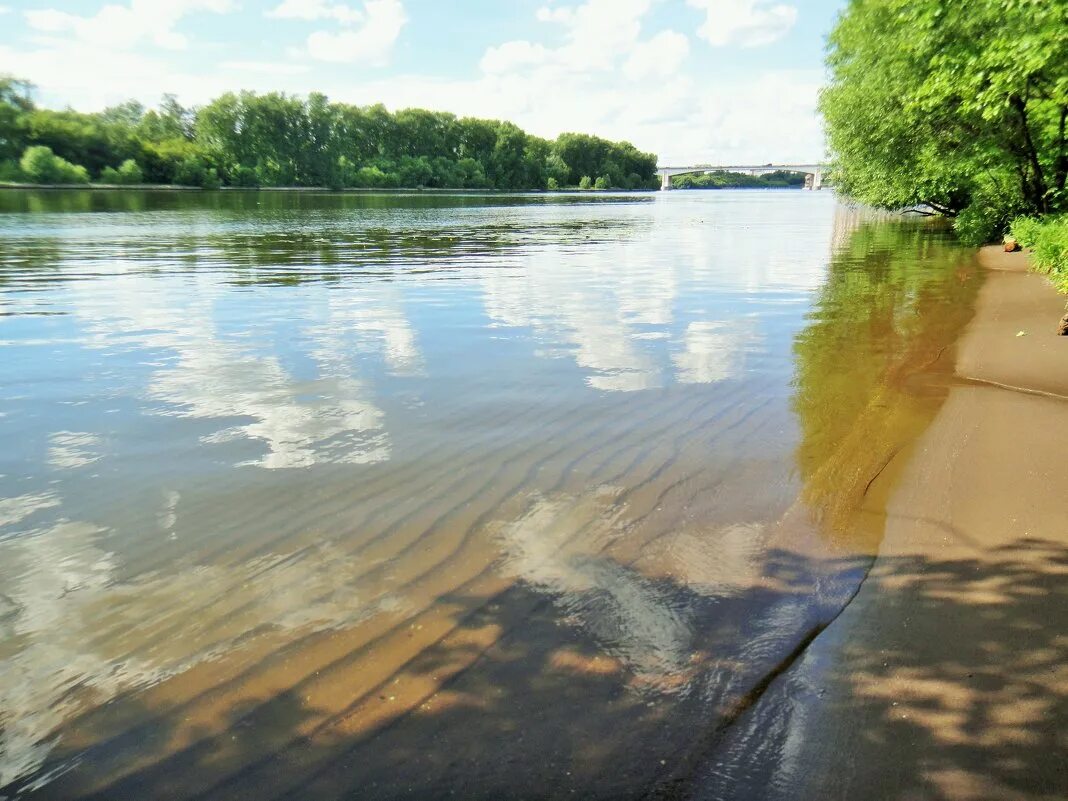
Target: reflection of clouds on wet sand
[[713, 351], [589, 305], [557, 545], [204, 374], [73, 635], [71, 449], [715, 562], [610, 308], [18, 508]]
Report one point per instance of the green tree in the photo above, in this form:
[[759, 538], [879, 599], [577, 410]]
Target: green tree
[[557, 169], [585, 182], [959, 106], [15, 103], [603, 182]]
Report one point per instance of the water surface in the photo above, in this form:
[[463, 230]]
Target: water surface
[[322, 496]]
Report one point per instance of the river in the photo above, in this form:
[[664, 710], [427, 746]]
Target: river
[[317, 496]]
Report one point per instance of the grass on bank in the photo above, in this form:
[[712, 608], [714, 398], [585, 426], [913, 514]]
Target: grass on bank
[[1047, 238]]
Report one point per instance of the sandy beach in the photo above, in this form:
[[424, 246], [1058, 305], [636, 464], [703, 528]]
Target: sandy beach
[[946, 677]]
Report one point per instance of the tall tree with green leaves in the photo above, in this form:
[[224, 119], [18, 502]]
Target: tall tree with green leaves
[[959, 105], [15, 102]]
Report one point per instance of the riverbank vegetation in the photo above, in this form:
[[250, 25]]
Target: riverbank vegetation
[[958, 109], [780, 179], [248, 140], [1047, 238]]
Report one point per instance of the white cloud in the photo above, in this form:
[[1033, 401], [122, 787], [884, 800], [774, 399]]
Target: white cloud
[[601, 30], [661, 56], [126, 26], [370, 43], [513, 55], [597, 34], [266, 67], [747, 23], [316, 10], [561, 14], [5, 9]]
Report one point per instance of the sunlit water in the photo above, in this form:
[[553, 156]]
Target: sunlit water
[[320, 496]]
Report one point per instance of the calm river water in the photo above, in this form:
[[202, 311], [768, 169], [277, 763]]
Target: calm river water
[[335, 496]]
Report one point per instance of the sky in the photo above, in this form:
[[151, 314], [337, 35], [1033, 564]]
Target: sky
[[694, 81]]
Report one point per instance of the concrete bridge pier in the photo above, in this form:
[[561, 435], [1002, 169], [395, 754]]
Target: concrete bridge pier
[[665, 182]]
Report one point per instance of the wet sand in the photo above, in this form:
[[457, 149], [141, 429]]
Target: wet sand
[[946, 677]]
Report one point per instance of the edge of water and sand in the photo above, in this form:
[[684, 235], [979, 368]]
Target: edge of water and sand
[[946, 676]]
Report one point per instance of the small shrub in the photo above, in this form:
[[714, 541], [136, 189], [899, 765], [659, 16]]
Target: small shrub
[[586, 182], [370, 178], [130, 173], [552, 184], [604, 182], [244, 176], [41, 166], [191, 171], [126, 175]]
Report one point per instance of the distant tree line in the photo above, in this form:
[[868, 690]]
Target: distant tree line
[[248, 140], [780, 179]]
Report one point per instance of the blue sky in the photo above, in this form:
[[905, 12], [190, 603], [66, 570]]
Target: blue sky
[[714, 81]]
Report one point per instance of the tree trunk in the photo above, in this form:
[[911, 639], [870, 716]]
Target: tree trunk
[[1038, 192]]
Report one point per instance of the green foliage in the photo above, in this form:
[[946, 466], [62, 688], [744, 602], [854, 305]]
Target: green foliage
[[14, 103], [275, 139], [557, 170], [957, 106], [1048, 239], [242, 176], [552, 184], [10, 172], [193, 171], [127, 174], [41, 166], [603, 182], [585, 182], [988, 215], [1026, 230]]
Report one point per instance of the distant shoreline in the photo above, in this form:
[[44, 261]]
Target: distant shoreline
[[379, 191]]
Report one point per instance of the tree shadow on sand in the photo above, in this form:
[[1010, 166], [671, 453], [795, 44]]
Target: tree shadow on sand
[[956, 687], [536, 696]]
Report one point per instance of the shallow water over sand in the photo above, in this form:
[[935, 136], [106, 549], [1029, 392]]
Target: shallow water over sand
[[416, 496]]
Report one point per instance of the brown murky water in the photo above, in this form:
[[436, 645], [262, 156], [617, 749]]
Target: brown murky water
[[329, 496]]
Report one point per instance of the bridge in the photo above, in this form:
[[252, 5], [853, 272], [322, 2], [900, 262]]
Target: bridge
[[814, 172]]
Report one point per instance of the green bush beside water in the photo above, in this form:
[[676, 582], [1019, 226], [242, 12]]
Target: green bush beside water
[[41, 166], [954, 107], [1047, 237]]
